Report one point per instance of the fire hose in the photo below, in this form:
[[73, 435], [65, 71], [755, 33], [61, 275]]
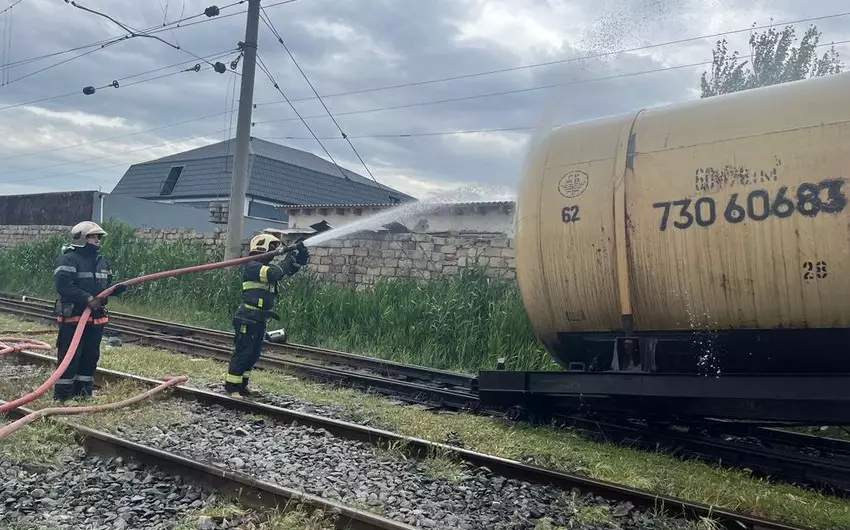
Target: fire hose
[[78, 332]]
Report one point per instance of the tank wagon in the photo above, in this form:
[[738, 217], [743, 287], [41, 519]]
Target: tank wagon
[[703, 238]]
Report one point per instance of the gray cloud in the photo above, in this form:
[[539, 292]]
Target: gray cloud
[[347, 46]]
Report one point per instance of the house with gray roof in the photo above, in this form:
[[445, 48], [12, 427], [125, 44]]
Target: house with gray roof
[[277, 176]]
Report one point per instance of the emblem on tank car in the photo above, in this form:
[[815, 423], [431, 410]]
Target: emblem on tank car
[[573, 184]]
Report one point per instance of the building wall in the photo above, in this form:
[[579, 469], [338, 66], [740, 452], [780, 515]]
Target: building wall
[[356, 261], [46, 208], [148, 214]]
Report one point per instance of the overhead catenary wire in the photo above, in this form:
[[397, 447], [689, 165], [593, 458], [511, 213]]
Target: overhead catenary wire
[[149, 30], [406, 135], [519, 90], [270, 25], [399, 135], [396, 135], [11, 6], [111, 155], [207, 135], [279, 38], [597, 55], [78, 92], [210, 12], [102, 44], [266, 71]]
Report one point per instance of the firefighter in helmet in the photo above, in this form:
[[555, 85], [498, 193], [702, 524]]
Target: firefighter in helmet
[[259, 290], [81, 273]]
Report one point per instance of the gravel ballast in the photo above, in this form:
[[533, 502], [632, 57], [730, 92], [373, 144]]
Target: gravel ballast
[[358, 474], [95, 493]]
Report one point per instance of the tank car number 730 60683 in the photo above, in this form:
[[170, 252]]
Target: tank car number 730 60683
[[757, 205]]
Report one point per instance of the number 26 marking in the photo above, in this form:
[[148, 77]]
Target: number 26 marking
[[814, 270], [570, 214]]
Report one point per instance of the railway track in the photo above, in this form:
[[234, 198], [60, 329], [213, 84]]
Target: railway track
[[812, 461], [248, 490], [265, 492], [150, 332]]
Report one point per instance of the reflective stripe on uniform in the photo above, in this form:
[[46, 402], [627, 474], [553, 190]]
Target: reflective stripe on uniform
[[69, 320], [101, 275], [246, 375], [85, 378], [256, 285], [64, 268], [85, 275], [264, 274], [255, 308], [65, 382], [235, 379]]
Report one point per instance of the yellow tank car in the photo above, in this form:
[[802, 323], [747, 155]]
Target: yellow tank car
[[709, 236]]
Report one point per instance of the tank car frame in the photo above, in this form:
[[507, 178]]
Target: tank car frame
[[692, 259]]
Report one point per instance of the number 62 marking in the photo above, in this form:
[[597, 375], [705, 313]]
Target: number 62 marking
[[570, 214]]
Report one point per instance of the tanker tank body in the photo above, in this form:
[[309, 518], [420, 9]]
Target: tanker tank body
[[708, 237]]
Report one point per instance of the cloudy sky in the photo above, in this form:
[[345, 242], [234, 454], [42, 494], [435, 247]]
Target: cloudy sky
[[56, 138]]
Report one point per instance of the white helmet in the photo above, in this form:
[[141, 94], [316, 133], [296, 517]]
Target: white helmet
[[83, 230]]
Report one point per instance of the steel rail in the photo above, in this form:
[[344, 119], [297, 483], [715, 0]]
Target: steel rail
[[420, 448], [378, 366], [248, 490], [401, 390], [828, 474]]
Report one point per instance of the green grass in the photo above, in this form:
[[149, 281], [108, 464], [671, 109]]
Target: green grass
[[462, 322], [555, 448], [289, 518]]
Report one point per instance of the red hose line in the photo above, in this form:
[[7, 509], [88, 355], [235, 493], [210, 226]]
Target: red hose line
[[21, 344], [29, 418], [78, 332]]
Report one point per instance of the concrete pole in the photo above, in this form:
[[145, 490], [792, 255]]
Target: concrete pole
[[239, 184]]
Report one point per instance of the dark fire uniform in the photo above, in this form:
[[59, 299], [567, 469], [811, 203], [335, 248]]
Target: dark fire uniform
[[81, 273], [259, 291]]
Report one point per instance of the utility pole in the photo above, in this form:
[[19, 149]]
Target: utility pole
[[239, 184]]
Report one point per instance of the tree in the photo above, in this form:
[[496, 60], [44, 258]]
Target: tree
[[774, 60]]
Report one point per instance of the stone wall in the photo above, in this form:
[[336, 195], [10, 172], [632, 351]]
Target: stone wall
[[366, 258], [11, 235], [356, 261]]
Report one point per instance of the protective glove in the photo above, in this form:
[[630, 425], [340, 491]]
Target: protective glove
[[94, 303], [119, 288], [302, 256]]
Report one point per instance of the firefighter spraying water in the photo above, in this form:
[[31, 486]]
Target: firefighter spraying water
[[260, 278]]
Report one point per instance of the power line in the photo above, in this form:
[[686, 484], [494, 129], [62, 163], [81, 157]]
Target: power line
[[168, 26], [11, 6], [271, 27], [277, 35], [390, 135], [518, 90], [404, 135], [275, 84], [564, 61], [209, 12], [147, 148], [77, 92], [118, 137]]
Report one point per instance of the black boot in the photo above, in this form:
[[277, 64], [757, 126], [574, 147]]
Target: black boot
[[63, 390], [232, 389], [248, 393], [83, 389]]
